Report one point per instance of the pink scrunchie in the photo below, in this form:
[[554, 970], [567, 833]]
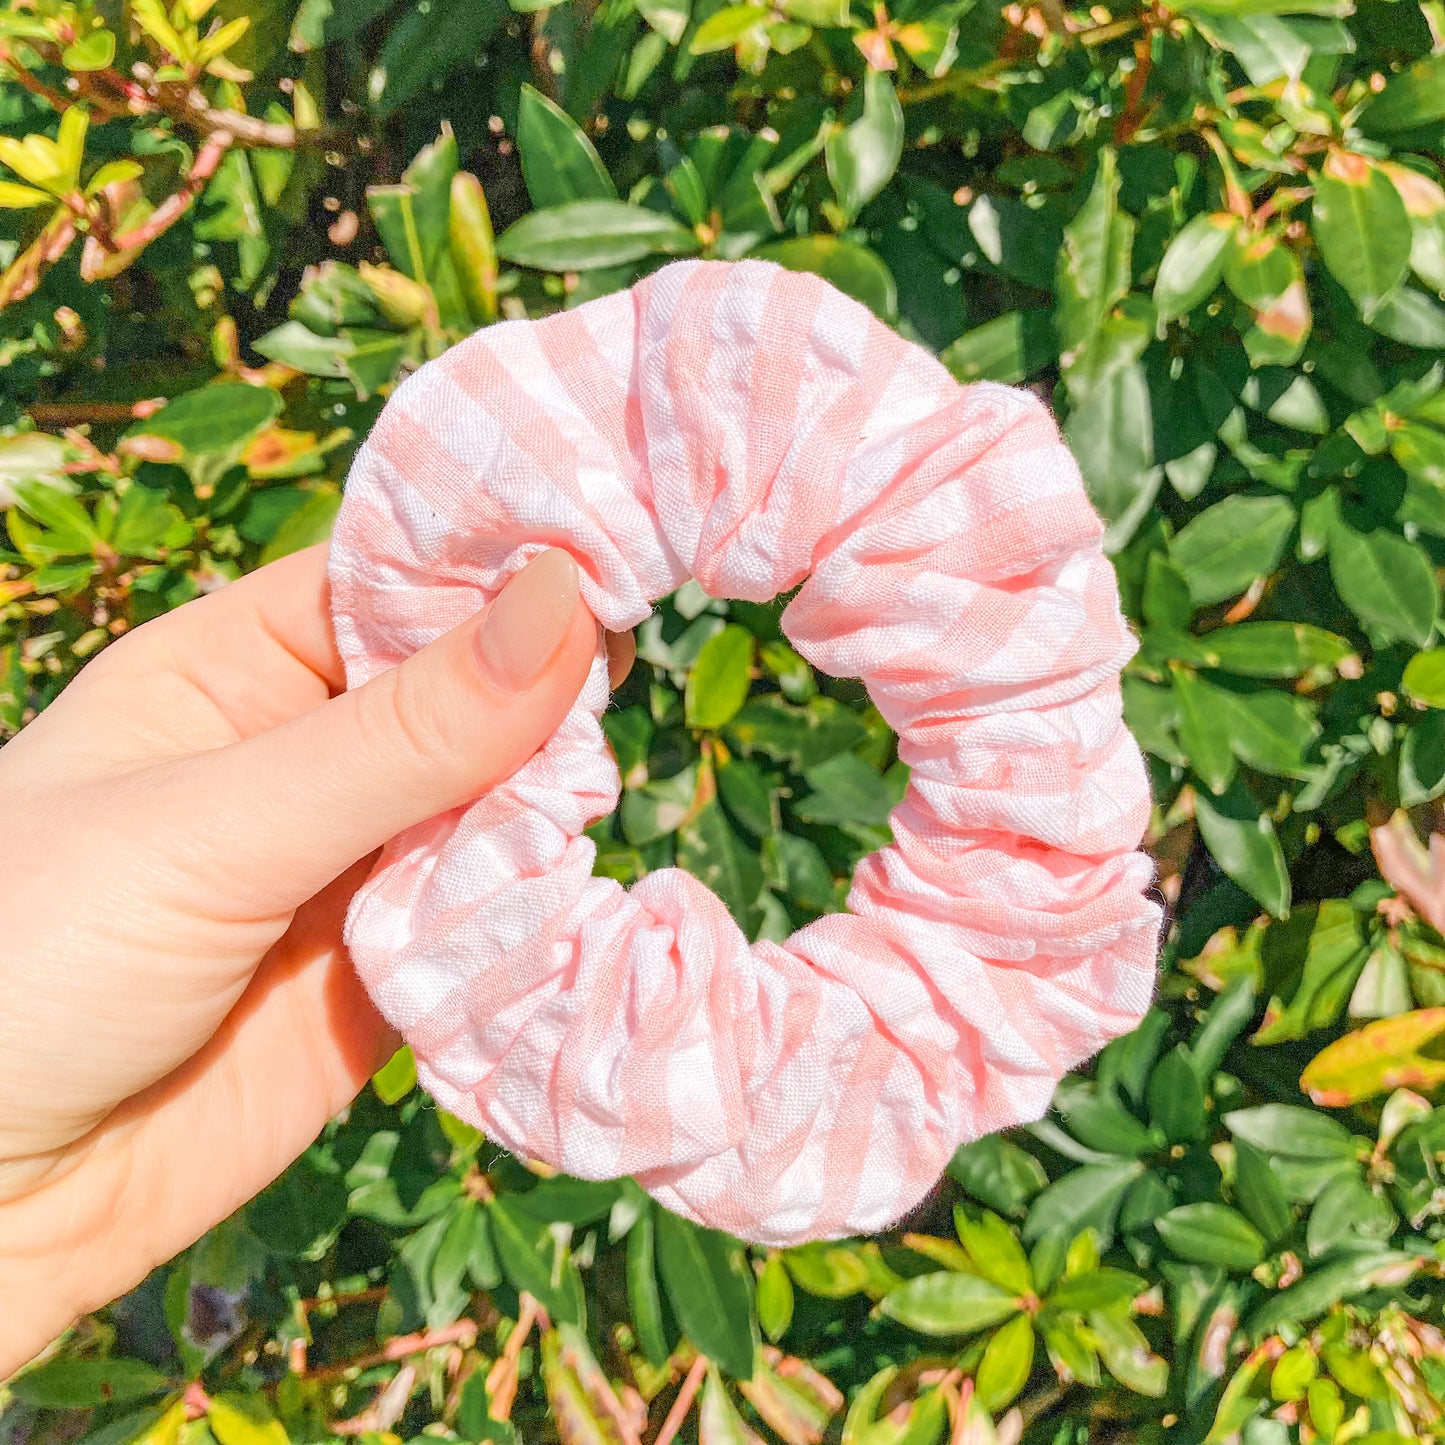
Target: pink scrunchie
[[752, 427]]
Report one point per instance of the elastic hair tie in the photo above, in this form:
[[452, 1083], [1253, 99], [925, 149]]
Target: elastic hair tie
[[755, 429]]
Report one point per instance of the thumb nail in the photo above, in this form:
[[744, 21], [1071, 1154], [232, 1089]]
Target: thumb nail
[[527, 621]]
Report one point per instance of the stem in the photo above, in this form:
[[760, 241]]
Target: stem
[[600, 1389], [1236, 195], [360, 1296], [1132, 115], [955, 80], [36, 87], [463, 1332], [502, 1377], [244, 130], [100, 413], [385, 1410], [680, 1406], [176, 205], [24, 272]]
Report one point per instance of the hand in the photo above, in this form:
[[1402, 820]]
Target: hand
[[183, 829]]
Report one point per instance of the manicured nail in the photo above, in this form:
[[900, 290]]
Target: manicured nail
[[527, 621]]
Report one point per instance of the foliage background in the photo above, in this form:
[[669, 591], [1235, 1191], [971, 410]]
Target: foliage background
[[1212, 234]]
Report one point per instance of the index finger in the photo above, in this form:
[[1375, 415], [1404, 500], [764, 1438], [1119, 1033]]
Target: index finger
[[287, 602]]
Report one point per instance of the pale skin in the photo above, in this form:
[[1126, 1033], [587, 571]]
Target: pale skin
[[183, 829]]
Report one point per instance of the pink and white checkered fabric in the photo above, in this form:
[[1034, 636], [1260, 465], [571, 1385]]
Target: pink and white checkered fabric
[[753, 428]]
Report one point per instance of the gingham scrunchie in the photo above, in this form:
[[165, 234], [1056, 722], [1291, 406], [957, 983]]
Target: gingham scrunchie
[[752, 428]]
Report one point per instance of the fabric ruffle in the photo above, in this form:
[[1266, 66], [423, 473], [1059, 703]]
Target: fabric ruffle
[[755, 429]]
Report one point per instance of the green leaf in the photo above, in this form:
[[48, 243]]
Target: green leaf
[[726, 27], [1212, 1234], [533, 1260], [1421, 451], [586, 235], [1123, 1347], [798, 870], [304, 526], [1273, 649], [667, 17], [1008, 349], [1415, 97], [1387, 582], [1082, 1199], [1223, 549], [1096, 1289], [1205, 742], [718, 1420], [1323, 1288], [658, 808], [1176, 1098], [300, 1215], [1070, 1347], [1095, 1118], [1167, 603], [1289, 1129], [473, 247], [373, 358], [430, 177], [396, 1078], [852, 268], [1152, 714], [845, 789], [775, 1298], [1349, 1215], [95, 52], [829, 1271], [862, 157], [1269, 729], [708, 1286], [1094, 264], [1223, 1022], [296, 345], [802, 737], [1193, 265], [1007, 1364], [559, 163], [719, 681], [711, 850], [237, 1419], [1362, 229], [70, 1384], [949, 1303], [1232, 8], [998, 1173], [1259, 1192], [423, 46], [563, 1200], [1422, 760], [16, 197], [1312, 986], [1403, 1052], [1112, 436], [1259, 269], [214, 420], [643, 1296], [995, 1251], [1411, 317], [1243, 841]]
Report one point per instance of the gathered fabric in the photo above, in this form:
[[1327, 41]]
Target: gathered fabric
[[755, 429]]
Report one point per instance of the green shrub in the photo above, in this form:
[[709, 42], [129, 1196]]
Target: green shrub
[[1212, 234]]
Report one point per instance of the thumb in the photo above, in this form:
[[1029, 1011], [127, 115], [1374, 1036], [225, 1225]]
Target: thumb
[[294, 807]]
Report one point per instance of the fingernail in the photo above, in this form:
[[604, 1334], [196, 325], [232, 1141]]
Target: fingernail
[[527, 621]]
